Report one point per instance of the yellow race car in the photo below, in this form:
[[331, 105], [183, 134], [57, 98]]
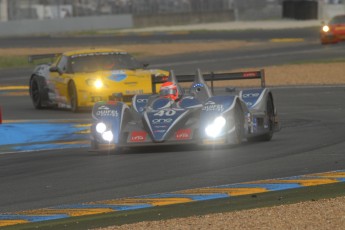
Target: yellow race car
[[78, 79]]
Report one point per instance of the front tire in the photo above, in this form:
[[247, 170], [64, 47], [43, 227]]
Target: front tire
[[36, 92], [237, 136], [73, 96]]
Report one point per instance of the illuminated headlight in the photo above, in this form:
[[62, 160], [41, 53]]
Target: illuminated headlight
[[108, 136], [97, 83], [101, 127], [325, 29], [215, 128]]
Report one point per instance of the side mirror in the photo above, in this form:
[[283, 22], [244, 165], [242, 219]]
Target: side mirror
[[55, 69]]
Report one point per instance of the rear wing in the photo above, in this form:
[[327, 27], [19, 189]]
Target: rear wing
[[32, 58], [260, 74]]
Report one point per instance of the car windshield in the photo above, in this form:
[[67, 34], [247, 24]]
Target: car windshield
[[338, 20], [103, 61]]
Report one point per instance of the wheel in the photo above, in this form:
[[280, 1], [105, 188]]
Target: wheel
[[73, 96], [270, 114], [36, 91], [237, 136]]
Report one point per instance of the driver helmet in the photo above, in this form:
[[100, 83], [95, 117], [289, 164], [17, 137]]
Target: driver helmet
[[169, 90]]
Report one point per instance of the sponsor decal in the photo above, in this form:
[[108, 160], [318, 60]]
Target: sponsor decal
[[138, 136], [97, 54], [162, 121], [160, 131], [141, 100], [250, 74], [161, 126], [213, 107], [250, 95], [117, 76], [104, 111], [183, 134]]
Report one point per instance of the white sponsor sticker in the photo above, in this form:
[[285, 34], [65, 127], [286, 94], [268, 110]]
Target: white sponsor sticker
[[107, 113]]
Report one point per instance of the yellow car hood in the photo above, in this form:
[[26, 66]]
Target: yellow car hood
[[128, 82]]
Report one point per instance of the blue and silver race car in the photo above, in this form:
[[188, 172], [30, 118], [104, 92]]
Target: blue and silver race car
[[200, 116]]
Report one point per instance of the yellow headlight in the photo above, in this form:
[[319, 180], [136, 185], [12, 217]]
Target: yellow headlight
[[98, 84]]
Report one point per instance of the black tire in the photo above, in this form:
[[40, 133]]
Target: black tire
[[270, 113], [36, 92], [236, 138], [72, 91]]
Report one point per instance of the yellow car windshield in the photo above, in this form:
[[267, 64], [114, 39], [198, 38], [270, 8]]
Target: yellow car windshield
[[103, 61]]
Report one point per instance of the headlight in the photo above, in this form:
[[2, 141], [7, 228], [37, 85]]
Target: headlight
[[108, 136], [215, 128], [325, 29], [97, 83], [101, 127]]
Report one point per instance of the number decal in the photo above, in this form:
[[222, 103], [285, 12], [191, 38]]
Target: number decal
[[168, 113]]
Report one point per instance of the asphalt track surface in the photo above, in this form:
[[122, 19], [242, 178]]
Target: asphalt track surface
[[312, 140]]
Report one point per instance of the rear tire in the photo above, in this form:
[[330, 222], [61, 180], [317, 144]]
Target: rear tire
[[73, 95]]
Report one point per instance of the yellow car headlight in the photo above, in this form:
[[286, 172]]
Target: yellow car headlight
[[97, 83]]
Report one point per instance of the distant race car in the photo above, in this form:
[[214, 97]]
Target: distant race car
[[197, 117], [333, 31], [78, 79]]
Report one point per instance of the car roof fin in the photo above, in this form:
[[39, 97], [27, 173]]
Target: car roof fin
[[199, 79], [172, 77]]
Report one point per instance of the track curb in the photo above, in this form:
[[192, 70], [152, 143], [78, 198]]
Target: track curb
[[172, 198]]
